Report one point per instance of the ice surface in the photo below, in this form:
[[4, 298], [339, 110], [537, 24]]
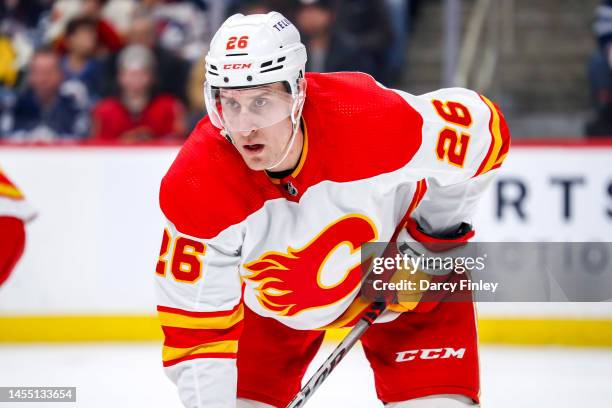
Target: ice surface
[[130, 375]]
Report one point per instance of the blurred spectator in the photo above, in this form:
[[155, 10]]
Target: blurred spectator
[[195, 94], [22, 25], [254, 8], [365, 23], [171, 72], [217, 11], [82, 71], [8, 62], [183, 27], [43, 111], [26, 12], [137, 113], [331, 49], [64, 11], [9, 73], [346, 35], [286, 7], [600, 73], [398, 14], [118, 14]]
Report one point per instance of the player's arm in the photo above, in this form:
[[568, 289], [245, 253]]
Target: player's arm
[[14, 214], [464, 141], [12, 243], [200, 311]]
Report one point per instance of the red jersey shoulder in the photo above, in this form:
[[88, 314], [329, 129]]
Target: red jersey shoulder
[[208, 187], [365, 129]]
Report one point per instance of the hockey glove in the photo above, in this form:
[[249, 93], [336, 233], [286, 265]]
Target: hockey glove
[[431, 263]]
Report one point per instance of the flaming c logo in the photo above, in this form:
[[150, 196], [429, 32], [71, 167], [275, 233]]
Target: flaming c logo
[[290, 283]]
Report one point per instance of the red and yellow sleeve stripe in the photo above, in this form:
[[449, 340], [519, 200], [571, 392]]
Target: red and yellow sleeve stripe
[[189, 335], [8, 189], [500, 139]]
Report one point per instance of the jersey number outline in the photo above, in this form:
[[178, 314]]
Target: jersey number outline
[[452, 145], [234, 42], [185, 262]]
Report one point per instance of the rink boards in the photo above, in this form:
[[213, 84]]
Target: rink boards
[[87, 270]]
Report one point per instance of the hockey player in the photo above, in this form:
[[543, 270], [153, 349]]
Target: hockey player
[[269, 202], [14, 213]]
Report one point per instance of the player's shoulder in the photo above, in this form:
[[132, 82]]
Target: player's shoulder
[[482, 112], [208, 187], [347, 79], [350, 111], [205, 143], [446, 98], [357, 97], [348, 88], [466, 130]]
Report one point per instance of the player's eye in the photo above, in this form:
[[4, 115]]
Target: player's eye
[[231, 104], [260, 102]]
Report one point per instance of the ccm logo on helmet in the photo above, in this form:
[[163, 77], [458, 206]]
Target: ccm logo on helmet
[[429, 354], [236, 66]]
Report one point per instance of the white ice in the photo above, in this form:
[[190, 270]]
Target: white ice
[[130, 375]]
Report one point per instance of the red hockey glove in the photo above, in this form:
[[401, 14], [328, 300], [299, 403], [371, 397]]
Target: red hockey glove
[[432, 261]]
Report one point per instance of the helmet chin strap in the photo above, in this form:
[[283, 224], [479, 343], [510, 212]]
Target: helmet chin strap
[[295, 120], [287, 148]]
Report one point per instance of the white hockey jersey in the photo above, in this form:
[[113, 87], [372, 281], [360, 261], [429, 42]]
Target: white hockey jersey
[[289, 249]]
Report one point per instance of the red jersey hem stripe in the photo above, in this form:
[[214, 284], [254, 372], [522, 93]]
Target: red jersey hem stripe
[[200, 355], [190, 313]]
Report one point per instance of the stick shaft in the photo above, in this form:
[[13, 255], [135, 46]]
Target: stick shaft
[[337, 355]]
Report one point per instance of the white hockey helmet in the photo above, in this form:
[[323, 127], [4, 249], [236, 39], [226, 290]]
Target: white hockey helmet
[[255, 50]]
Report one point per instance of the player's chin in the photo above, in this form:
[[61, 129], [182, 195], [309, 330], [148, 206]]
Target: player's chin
[[256, 163]]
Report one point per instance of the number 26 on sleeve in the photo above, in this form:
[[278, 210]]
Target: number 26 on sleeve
[[452, 143], [183, 256]]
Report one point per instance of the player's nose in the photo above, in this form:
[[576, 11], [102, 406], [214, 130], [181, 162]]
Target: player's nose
[[246, 123], [245, 134]]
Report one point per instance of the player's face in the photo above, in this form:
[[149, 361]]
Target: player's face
[[258, 119], [135, 80]]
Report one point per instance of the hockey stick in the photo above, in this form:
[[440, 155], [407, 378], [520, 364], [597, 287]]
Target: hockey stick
[[373, 311]]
